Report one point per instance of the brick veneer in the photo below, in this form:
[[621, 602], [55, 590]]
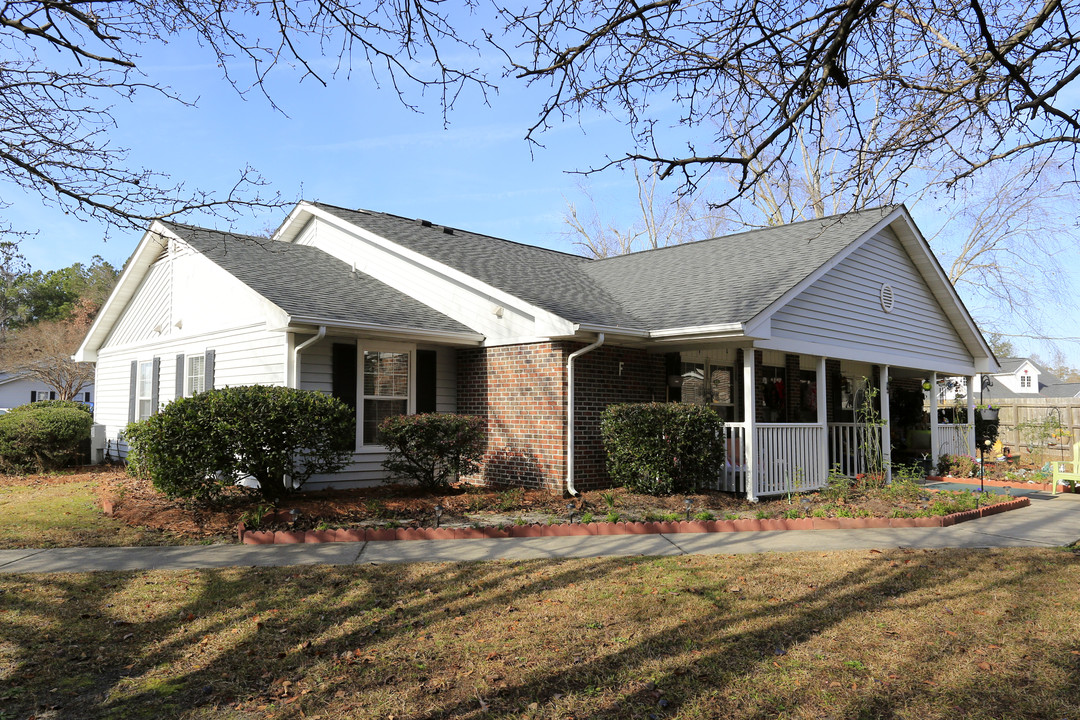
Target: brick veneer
[[520, 391]]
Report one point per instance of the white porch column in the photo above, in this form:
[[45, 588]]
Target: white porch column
[[972, 450], [886, 435], [823, 417], [935, 432], [750, 415]]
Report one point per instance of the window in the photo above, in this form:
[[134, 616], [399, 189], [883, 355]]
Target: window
[[145, 391], [196, 374], [386, 389], [1025, 381]]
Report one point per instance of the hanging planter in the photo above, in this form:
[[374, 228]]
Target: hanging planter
[[989, 414]]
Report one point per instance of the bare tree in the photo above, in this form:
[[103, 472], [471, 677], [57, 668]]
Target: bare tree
[[959, 84], [43, 351], [663, 220], [66, 63], [1004, 245]]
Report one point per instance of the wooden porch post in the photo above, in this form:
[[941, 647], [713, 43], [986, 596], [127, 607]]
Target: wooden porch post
[[935, 432], [972, 450], [750, 415], [823, 418], [886, 435]]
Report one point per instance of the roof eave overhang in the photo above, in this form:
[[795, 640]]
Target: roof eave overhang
[[299, 323], [700, 333], [137, 265]]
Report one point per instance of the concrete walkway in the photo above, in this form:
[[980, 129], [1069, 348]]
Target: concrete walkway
[[1049, 522]]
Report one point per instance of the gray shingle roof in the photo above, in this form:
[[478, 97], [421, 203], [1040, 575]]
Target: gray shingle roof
[[722, 280], [308, 282], [552, 280], [726, 279]]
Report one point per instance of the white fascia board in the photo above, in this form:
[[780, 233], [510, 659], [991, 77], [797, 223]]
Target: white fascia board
[[942, 288], [294, 224], [829, 264], [547, 323], [838, 352], [153, 241], [446, 336]]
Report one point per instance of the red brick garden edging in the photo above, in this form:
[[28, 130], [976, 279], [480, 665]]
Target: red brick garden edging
[[1018, 484], [268, 537]]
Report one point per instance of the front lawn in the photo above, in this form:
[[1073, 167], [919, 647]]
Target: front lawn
[[945, 634]]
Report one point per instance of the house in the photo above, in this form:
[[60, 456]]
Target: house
[[16, 390], [1019, 378], [786, 332]]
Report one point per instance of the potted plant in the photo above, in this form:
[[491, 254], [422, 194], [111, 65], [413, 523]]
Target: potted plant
[[989, 413]]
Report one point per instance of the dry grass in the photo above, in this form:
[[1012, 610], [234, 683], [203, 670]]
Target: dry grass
[[946, 634], [63, 511]]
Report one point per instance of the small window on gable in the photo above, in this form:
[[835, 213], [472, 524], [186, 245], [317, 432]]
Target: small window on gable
[[1025, 381], [196, 374]]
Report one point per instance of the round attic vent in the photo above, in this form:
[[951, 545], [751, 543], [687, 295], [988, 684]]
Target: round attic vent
[[886, 297]]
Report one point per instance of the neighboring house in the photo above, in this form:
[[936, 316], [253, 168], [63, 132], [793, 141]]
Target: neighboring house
[[1019, 378], [18, 390], [780, 330]]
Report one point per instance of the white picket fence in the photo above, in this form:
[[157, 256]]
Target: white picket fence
[[953, 439], [848, 443]]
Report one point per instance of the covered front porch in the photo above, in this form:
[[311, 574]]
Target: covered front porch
[[792, 419]]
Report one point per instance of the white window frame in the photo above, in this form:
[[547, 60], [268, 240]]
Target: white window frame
[[189, 359], [1025, 381], [410, 405], [149, 396]]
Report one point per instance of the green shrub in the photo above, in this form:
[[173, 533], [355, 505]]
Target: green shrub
[[198, 446], [663, 448], [431, 448], [44, 436]]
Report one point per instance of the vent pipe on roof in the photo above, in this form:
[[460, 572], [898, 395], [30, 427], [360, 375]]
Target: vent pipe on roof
[[448, 230], [570, 410]]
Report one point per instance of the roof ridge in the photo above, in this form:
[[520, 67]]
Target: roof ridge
[[188, 226], [786, 226], [376, 213]]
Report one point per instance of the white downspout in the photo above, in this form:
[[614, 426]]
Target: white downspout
[[296, 355], [570, 410]]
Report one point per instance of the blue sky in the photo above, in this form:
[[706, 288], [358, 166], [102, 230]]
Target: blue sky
[[355, 145]]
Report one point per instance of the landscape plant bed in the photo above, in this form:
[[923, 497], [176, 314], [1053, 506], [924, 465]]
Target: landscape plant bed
[[1019, 483], [270, 537], [155, 519]]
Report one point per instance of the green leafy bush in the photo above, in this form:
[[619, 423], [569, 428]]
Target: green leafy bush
[[432, 448], [198, 446], [44, 436], [663, 448]]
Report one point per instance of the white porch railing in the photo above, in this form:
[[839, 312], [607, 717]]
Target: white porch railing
[[847, 446], [788, 458], [953, 439], [733, 477]]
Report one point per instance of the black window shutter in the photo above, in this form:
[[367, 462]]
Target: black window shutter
[[134, 389], [52, 395], [343, 373], [208, 370], [179, 375], [33, 396], [86, 396], [154, 386], [426, 396]]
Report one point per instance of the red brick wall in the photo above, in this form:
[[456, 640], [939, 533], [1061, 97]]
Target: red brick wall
[[520, 391], [598, 383]]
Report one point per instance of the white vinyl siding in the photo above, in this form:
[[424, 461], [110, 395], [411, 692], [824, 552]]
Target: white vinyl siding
[[243, 356], [154, 300], [366, 467], [843, 309]]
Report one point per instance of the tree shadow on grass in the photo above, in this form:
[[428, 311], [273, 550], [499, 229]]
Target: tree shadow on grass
[[605, 638]]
